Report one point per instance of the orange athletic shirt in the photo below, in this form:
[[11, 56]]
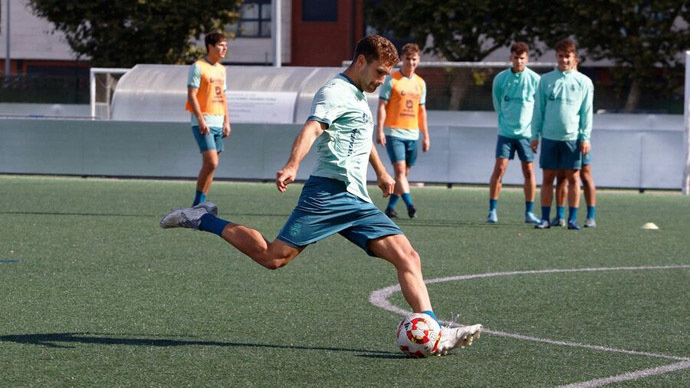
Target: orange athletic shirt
[[211, 89], [402, 111]]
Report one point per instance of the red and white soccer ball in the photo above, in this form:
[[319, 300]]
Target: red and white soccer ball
[[418, 335]]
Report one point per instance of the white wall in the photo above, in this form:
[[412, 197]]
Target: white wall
[[31, 37]]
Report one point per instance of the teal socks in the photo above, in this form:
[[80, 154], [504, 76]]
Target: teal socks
[[432, 315], [560, 212], [546, 213], [407, 198], [200, 197], [529, 207], [572, 214], [392, 201]]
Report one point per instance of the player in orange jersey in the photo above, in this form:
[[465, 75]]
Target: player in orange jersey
[[401, 118], [208, 106]]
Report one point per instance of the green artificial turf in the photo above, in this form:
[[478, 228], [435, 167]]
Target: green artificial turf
[[94, 293]]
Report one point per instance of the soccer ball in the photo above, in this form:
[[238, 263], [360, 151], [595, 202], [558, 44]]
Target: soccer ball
[[418, 335]]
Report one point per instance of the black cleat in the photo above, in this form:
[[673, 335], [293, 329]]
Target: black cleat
[[391, 213]]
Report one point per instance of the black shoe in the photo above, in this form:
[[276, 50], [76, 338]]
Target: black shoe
[[391, 213], [412, 211]]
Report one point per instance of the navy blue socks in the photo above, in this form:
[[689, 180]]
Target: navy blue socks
[[213, 224]]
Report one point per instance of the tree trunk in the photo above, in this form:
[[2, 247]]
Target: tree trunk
[[459, 85], [633, 97]]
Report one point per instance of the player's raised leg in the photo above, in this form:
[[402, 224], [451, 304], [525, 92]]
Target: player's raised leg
[[251, 242]]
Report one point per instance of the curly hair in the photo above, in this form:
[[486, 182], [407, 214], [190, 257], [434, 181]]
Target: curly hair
[[376, 47]]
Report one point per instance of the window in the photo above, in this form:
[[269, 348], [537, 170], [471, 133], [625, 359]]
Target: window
[[320, 10], [255, 20]]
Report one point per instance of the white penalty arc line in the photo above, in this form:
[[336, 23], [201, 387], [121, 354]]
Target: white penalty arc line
[[630, 376], [379, 298]]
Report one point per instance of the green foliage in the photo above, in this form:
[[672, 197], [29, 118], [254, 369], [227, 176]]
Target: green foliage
[[122, 33], [643, 38], [461, 30]]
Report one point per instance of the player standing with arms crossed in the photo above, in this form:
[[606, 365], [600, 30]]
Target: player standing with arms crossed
[[563, 119], [401, 117], [335, 199], [208, 106], [513, 98]]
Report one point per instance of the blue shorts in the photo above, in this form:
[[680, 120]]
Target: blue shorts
[[587, 159], [326, 208], [402, 150], [506, 147], [560, 155], [212, 141]]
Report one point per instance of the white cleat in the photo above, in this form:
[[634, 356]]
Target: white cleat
[[457, 337], [186, 218], [210, 207]]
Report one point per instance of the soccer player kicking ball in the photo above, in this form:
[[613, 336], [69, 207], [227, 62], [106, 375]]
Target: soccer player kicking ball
[[335, 198]]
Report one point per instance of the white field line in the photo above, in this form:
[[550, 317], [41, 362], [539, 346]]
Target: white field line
[[630, 376], [379, 298]]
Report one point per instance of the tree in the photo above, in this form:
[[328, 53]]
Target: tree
[[458, 30], [644, 38], [122, 33]]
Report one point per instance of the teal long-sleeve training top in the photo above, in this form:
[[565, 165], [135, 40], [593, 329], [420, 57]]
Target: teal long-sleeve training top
[[563, 107]]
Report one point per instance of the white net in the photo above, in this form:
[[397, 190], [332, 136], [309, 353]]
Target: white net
[[102, 83]]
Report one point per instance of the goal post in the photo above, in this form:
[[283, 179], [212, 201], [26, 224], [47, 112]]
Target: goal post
[[685, 186], [102, 82]]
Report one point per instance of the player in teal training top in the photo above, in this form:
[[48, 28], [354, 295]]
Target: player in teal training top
[[563, 120], [589, 188], [513, 98], [334, 198]]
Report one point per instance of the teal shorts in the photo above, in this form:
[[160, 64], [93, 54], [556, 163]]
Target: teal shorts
[[506, 148], [402, 150], [326, 208], [560, 155], [587, 159], [212, 141]]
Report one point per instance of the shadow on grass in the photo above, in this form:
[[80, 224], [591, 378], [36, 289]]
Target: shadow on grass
[[428, 223], [85, 214], [64, 340]]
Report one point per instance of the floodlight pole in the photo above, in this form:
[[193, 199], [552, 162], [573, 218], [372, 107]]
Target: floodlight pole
[[7, 37], [276, 33], [685, 187]]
